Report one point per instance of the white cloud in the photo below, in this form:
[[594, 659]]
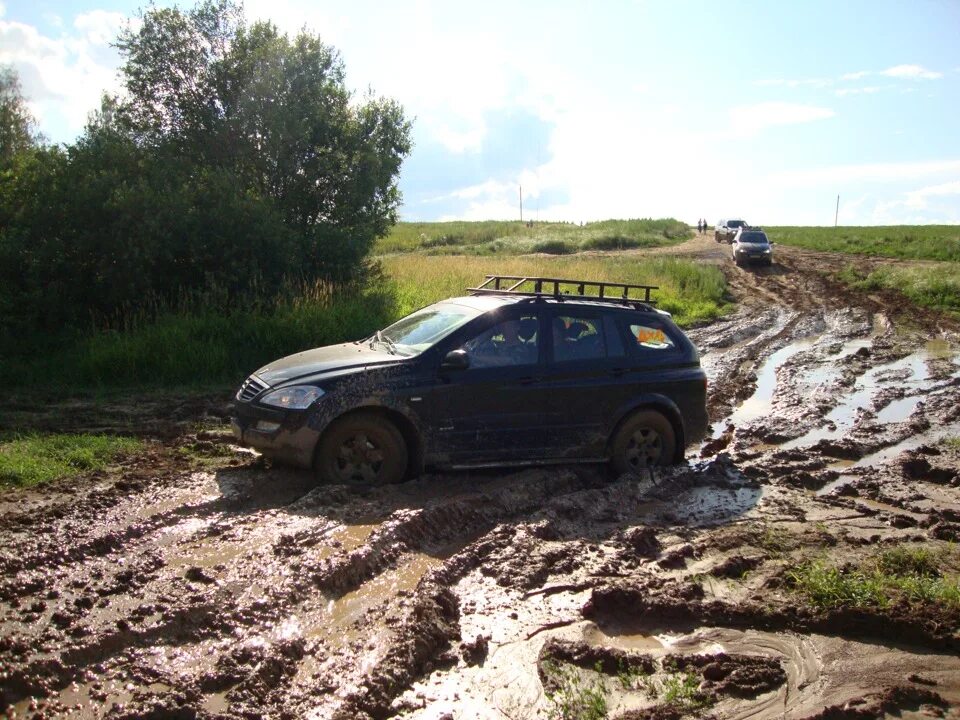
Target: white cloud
[[867, 172], [461, 141], [868, 90], [900, 72], [99, 27], [63, 77], [911, 72], [749, 119], [919, 198], [804, 82]]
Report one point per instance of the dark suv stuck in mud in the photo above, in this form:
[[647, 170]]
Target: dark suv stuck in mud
[[503, 376]]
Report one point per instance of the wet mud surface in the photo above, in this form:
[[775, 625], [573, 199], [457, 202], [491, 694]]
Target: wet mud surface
[[195, 581]]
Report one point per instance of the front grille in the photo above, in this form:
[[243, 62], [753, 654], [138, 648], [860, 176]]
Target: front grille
[[251, 387]]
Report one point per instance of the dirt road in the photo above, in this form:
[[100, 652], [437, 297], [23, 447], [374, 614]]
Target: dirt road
[[193, 581]]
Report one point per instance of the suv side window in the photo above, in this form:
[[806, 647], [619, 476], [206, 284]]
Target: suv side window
[[649, 337], [511, 342], [578, 335]]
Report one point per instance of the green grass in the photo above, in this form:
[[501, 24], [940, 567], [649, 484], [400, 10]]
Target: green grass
[[912, 575], [682, 690], [513, 238], [691, 292], [678, 689], [572, 695], [201, 348], [952, 442], [932, 286], [34, 459], [912, 242]]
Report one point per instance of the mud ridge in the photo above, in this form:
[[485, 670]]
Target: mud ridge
[[904, 624]]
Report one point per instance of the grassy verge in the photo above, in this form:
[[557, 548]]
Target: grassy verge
[[513, 238], [936, 286], [913, 242], [204, 348], [691, 292], [35, 459], [912, 575]]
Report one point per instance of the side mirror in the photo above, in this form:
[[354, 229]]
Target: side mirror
[[456, 360]]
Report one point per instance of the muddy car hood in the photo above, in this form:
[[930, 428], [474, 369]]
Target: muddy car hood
[[321, 361]]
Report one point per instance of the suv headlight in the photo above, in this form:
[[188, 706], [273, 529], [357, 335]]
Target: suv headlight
[[295, 397]]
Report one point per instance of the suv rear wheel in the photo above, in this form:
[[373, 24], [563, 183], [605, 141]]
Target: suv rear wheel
[[644, 440], [362, 448]]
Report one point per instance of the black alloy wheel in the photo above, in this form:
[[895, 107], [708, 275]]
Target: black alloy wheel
[[362, 448], [646, 439]]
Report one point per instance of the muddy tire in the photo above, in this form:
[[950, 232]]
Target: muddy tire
[[363, 448], [645, 439]]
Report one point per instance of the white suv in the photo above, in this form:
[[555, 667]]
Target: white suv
[[726, 229]]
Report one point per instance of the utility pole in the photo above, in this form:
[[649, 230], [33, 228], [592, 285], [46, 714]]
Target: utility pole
[[837, 213], [521, 203]]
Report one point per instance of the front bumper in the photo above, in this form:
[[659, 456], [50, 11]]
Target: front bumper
[[754, 257], [280, 435]]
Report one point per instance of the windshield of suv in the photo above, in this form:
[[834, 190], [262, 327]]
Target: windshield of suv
[[736, 223], [756, 238], [424, 328]]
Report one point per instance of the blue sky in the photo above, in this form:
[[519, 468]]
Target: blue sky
[[765, 110]]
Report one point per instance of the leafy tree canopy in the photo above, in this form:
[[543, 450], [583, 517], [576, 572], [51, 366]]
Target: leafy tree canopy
[[16, 121], [235, 164]]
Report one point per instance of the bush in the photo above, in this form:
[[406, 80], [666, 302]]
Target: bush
[[553, 247], [613, 242]]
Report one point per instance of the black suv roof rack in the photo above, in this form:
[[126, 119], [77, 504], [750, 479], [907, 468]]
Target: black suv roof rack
[[512, 284]]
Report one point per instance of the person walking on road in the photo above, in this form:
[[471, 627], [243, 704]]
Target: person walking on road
[[699, 227]]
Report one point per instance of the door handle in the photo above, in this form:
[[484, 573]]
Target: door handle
[[529, 380], [617, 372]]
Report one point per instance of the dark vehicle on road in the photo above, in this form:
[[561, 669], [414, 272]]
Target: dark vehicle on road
[[750, 245], [502, 376]]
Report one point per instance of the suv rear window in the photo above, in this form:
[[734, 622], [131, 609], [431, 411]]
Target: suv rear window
[[650, 336], [758, 238], [736, 223]]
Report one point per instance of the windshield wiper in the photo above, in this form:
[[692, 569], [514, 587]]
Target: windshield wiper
[[385, 341]]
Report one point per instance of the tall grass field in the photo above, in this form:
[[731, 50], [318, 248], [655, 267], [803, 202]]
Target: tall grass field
[[934, 286], [909, 242], [515, 238], [202, 348], [931, 280]]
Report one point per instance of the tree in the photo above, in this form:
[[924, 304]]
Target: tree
[[277, 113], [16, 122], [237, 165]]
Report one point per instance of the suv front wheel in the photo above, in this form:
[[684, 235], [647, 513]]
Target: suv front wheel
[[362, 448], [644, 440]]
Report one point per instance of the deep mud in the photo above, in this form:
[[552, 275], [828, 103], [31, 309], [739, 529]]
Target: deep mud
[[195, 581]]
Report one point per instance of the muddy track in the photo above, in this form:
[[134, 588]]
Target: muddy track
[[195, 581]]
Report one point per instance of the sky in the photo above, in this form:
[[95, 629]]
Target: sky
[[646, 108]]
